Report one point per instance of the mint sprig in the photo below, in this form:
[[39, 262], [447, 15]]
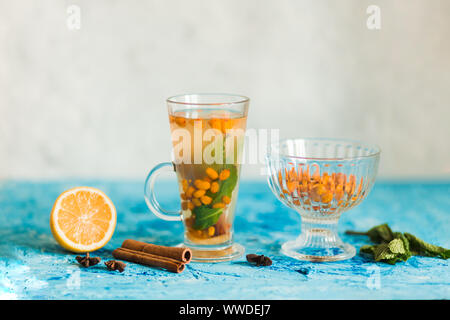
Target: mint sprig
[[392, 247]]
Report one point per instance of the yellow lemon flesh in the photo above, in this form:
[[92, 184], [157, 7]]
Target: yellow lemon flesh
[[83, 219]]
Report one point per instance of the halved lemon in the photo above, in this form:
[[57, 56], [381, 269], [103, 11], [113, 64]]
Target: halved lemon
[[83, 219]]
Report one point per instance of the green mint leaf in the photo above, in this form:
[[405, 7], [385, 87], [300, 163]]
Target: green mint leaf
[[226, 186], [396, 246], [382, 252], [367, 249], [422, 248], [393, 260], [378, 234], [205, 217], [381, 234], [390, 253], [405, 256]]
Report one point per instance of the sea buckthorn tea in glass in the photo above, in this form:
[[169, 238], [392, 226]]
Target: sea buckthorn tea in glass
[[208, 133]]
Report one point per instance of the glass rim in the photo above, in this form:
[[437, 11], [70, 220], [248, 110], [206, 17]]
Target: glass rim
[[239, 99], [375, 154]]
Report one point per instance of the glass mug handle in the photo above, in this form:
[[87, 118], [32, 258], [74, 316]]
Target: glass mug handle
[[149, 193]]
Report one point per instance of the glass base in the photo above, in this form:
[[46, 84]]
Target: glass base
[[212, 256], [318, 243], [300, 252]]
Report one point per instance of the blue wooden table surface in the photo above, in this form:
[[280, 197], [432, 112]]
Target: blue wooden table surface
[[33, 266]]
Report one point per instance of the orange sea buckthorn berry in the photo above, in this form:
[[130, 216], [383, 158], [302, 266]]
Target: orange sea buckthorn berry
[[214, 187], [215, 124], [339, 192], [218, 205], [292, 174], [349, 188], [196, 202], [201, 184], [292, 185], [352, 190], [319, 189], [227, 124], [206, 185], [224, 174], [341, 178], [199, 193], [190, 191], [180, 121], [211, 231], [316, 174], [206, 200], [207, 179], [280, 178], [302, 188], [330, 185], [300, 172], [198, 183], [184, 205], [183, 196], [191, 206], [325, 178], [199, 233], [327, 197], [212, 173], [185, 185], [226, 199], [306, 173], [360, 185]]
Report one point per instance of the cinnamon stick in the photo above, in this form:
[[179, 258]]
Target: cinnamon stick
[[148, 259], [181, 254]]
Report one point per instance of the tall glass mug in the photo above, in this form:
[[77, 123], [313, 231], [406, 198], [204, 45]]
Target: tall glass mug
[[208, 133]]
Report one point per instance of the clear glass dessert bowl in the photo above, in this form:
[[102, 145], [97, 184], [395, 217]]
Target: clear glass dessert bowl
[[321, 178]]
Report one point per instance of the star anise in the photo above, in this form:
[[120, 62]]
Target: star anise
[[114, 265], [260, 260], [88, 261]]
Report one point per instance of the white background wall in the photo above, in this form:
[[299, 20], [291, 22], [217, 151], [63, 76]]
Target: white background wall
[[90, 102]]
